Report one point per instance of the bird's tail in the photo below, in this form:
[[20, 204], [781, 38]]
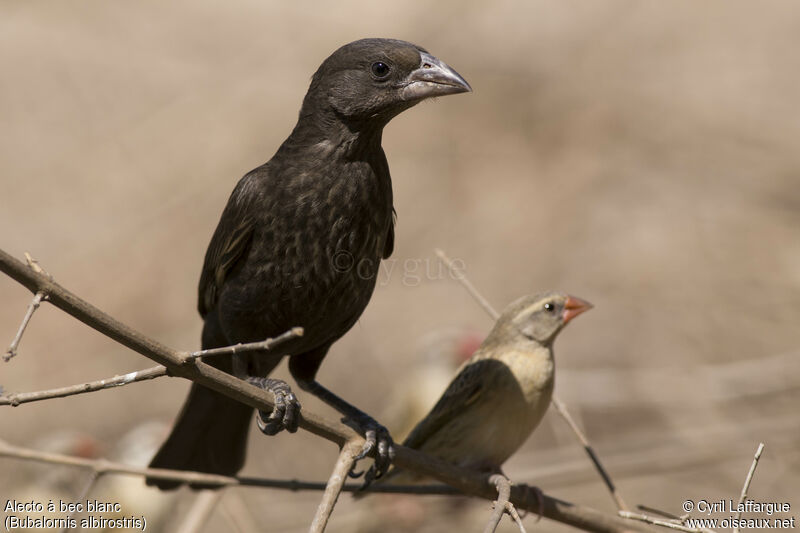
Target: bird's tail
[[210, 435]]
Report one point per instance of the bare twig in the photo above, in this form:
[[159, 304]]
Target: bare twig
[[33, 306], [747, 481], [672, 524], [296, 485], [111, 467], [91, 481], [502, 504], [659, 512], [238, 514], [510, 509], [560, 407], [15, 399], [201, 509], [267, 344], [562, 410], [462, 278], [503, 493], [197, 371], [102, 465], [581, 517], [466, 481], [335, 483], [84, 493]]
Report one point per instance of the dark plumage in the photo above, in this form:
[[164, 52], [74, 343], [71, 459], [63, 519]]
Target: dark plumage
[[299, 244]]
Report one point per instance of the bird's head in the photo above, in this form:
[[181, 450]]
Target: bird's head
[[375, 79], [540, 317]]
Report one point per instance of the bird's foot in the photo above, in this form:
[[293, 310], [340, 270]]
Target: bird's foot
[[285, 413], [537, 492], [378, 439]]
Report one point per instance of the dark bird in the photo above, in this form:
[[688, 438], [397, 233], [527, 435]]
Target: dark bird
[[501, 393], [299, 244]]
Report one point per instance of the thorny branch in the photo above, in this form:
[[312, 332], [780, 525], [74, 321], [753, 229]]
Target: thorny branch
[[558, 404], [467, 481]]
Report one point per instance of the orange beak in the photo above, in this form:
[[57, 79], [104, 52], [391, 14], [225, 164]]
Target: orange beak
[[573, 307]]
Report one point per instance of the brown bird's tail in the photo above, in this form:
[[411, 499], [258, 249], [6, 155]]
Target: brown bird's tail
[[210, 435]]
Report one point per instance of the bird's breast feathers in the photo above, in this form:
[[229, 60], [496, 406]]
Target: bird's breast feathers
[[320, 235], [534, 371]]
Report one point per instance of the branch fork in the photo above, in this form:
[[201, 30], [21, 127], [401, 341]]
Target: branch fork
[[502, 505]]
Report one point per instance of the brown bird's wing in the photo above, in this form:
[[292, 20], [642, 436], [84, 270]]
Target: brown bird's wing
[[228, 245], [464, 390]]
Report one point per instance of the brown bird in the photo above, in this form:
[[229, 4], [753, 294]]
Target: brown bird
[[299, 244], [501, 393]]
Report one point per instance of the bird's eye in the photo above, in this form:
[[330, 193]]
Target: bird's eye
[[380, 70], [549, 307]]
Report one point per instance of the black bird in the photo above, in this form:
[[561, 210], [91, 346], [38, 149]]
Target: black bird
[[299, 244]]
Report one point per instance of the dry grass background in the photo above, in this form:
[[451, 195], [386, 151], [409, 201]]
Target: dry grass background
[[641, 155]]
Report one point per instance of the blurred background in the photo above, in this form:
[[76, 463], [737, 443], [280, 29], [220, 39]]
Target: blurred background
[[641, 155]]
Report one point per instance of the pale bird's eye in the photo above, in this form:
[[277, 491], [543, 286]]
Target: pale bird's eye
[[549, 307], [380, 70]]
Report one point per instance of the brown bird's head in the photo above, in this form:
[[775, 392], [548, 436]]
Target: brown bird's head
[[379, 78], [540, 317]]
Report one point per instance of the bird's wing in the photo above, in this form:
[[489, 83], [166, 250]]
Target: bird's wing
[[388, 246], [464, 390], [229, 244]]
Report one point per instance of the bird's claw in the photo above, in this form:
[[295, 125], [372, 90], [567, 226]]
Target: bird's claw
[[353, 474], [376, 438], [285, 413], [537, 492]]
